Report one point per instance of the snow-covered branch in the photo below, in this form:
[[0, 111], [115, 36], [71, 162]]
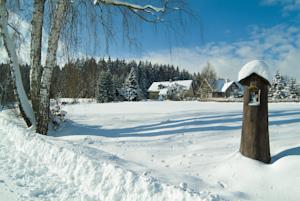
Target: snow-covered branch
[[135, 7]]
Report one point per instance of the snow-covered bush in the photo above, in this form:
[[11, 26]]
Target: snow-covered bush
[[57, 115], [175, 92]]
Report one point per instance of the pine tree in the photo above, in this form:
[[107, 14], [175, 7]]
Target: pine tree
[[291, 85], [105, 87], [131, 89], [142, 79], [278, 88]]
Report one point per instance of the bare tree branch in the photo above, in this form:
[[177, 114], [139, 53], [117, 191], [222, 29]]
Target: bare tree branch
[[146, 8], [14, 28]]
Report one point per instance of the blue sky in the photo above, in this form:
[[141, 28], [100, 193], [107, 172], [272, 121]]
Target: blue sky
[[233, 32], [227, 34], [230, 20], [222, 21]]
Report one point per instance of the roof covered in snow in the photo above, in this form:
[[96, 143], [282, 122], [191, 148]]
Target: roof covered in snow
[[158, 86], [258, 67], [221, 85], [217, 85], [226, 86]]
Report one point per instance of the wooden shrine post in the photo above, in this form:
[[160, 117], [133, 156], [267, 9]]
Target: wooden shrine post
[[255, 131]]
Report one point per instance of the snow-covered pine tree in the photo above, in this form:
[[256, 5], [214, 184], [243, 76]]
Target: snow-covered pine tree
[[277, 90], [291, 86], [105, 90], [298, 90], [142, 79], [131, 89]]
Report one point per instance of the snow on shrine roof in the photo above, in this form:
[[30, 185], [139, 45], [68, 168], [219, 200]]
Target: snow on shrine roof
[[158, 86], [256, 66]]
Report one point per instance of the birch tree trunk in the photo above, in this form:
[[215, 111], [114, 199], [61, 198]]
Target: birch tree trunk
[[24, 105], [35, 52], [44, 106]]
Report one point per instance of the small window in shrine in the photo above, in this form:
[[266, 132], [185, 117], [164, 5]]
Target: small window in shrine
[[254, 96]]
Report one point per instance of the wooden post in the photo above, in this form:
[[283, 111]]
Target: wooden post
[[255, 131]]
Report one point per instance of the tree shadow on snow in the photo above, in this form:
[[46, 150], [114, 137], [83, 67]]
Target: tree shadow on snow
[[287, 113], [289, 152], [217, 122], [73, 128]]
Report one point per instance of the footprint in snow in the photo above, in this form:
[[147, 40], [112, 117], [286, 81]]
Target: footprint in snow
[[183, 186], [221, 184]]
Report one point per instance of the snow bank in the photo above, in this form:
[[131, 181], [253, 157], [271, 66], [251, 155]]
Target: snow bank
[[92, 171], [256, 66]]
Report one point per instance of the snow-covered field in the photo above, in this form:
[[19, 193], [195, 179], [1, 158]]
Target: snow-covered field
[[149, 151]]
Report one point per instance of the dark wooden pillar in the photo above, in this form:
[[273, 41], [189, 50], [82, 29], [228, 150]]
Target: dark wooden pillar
[[255, 131]]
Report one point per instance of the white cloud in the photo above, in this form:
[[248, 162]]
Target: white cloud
[[278, 46], [287, 5], [291, 65]]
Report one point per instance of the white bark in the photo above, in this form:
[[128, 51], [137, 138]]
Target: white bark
[[35, 52], [15, 69], [43, 113]]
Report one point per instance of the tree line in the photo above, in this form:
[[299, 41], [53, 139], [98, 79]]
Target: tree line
[[81, 78], [109, 80]]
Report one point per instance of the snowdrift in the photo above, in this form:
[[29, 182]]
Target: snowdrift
[[92, 171]]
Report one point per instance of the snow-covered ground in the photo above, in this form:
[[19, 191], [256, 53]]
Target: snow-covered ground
[[149, 151]]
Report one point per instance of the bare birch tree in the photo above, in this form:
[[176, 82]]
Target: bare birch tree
[[35, 52], [44, 103], [24, 105]]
